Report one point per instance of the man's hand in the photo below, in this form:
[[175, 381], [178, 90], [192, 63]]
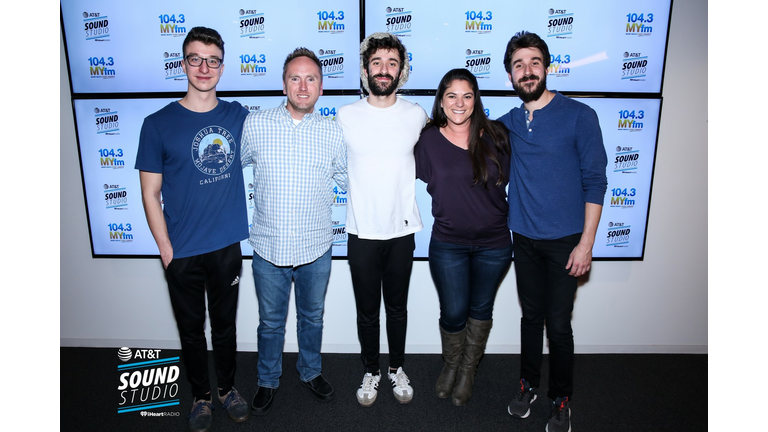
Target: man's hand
[[166, 255], [580, 260]]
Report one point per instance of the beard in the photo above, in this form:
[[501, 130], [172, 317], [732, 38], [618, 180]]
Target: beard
[[532, 95], [387, 90]]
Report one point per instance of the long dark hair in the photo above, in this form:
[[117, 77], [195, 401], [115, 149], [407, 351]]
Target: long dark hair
[[479, 124]]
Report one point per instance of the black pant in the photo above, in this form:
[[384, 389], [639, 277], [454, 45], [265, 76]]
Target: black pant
[[218, 273], [381, 266], [546, 293]]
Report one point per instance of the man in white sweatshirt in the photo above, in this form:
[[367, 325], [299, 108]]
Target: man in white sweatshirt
[[380, 132]]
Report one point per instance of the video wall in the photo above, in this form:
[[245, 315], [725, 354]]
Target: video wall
[[125, 63]]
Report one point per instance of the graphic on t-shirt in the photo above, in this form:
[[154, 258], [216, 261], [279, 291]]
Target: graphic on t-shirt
[[213, 150]]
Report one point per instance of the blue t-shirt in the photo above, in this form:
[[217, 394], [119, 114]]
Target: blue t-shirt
[[558, 165], [198, 155]]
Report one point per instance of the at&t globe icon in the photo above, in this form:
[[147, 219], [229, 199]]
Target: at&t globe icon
[[124, 354]]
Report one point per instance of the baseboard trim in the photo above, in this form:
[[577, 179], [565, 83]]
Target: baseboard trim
[[411, 348]]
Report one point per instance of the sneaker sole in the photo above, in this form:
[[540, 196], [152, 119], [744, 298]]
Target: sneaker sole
[[527, 413], [367, 402], [403, 400], [242, 418]]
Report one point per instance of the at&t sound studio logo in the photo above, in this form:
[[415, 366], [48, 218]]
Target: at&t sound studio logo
[[339, 234], [172, 66], [251, 24], [147, 383], [96, 26], [107, 121], [478, 62], [398, 21], [618, 234], [560, 24], [626, 160], [331, 22], [332, 62], [115, 197], [634, 66]]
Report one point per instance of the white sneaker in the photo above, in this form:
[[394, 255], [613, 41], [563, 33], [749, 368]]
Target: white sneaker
[[401, 386], [368, 390]]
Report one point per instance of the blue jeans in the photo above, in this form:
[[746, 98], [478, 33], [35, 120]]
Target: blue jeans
[[273, 290], [466, 278]]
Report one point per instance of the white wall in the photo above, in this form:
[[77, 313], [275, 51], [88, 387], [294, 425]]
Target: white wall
[[658, 305]]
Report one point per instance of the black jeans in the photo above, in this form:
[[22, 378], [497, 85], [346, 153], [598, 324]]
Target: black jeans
[[218, 273], [381, 267], [546, 294]]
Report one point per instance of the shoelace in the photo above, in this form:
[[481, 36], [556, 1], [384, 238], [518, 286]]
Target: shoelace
[[401, 379], [199, 406], [369, 384], [523, 392], [557, 411], [231, 399]]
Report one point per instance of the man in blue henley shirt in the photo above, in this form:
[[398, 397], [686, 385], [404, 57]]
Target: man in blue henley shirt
[[556, 193]]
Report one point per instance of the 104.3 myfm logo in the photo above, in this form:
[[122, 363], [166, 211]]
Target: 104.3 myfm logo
[[102, 67], [172, 25], [330, 22], [478, 22], [638, 24]]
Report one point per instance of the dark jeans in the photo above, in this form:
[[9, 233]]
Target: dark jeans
[[381, 267], [546, 293], [466, 278], [216, 273]]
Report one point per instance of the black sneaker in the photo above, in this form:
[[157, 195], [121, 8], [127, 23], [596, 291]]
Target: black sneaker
[[200, 418], [237, 408], [560, 418], [520, 406]]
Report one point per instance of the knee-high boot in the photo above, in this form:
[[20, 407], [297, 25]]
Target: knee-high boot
[[474, 348], [453, 346]]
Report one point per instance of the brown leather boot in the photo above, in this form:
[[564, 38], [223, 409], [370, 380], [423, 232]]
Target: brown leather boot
[[453, 346], [474, 348]]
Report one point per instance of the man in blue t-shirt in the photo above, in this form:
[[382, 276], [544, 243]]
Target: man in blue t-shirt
[[194, 199], [556, 193]]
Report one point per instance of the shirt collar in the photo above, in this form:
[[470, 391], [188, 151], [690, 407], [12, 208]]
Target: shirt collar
[[314, 115]]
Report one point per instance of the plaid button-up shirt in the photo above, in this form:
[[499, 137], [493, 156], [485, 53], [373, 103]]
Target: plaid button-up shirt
[[293, 171]]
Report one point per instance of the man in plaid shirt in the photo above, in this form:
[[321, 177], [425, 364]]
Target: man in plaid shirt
[[296, 155]]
